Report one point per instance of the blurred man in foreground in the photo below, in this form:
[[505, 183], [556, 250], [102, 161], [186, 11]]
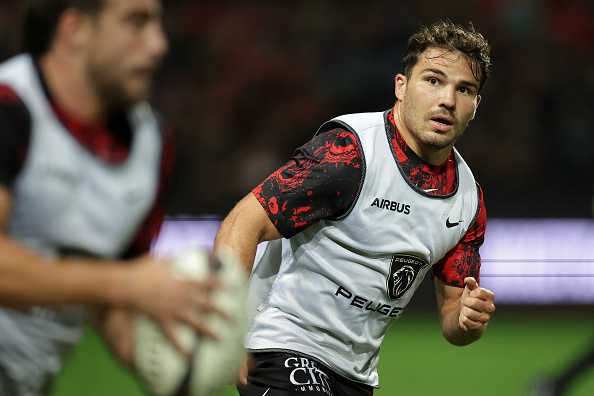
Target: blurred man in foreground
[[84, 168]]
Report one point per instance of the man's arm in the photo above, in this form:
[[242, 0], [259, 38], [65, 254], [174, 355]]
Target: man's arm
[[464, 312], [26, 278], [464, 307], [320, 181], [144, 283], [243, 229], [240, 233]]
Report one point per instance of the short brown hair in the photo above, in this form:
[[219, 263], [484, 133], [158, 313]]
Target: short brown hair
[[40, 19], [452, 37]]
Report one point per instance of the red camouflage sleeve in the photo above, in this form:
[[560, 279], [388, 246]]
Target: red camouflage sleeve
[[464, 259], [320, 181]]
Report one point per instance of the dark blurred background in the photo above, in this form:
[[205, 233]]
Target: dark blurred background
[[247, 82]]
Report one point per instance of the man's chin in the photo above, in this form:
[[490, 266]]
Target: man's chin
[[140, 89], [127, 100], [436, 141], [140, 95], [133, 98]]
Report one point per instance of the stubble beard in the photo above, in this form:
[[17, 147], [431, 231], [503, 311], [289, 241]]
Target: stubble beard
[[111, 90], [417, 124]]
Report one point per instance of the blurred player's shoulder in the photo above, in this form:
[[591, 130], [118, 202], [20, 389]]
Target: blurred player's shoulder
[[8, 97], [15, 131], [12, 107]]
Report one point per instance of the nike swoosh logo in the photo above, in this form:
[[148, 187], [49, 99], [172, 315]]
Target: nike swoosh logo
[[264, 394], [450, 225], [431, 189]]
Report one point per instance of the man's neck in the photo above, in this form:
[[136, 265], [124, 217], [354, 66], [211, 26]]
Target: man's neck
[[68, 87]]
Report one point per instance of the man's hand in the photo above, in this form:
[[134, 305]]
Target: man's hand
[[476, 306], [116, 327], [170, 300], [245, 368]]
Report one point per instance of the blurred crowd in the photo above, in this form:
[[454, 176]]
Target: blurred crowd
[[247, 82]]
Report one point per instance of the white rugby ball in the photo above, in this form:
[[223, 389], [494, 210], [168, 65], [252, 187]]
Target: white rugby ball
[[214, 363]]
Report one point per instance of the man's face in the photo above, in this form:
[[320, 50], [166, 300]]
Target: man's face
[[436, 103], [126, 46]]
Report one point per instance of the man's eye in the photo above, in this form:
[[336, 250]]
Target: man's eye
[[138, 21], [433, 81]]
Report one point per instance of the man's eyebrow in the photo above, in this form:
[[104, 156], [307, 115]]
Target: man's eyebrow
[[469, 84], [441, 73], [435, 71]]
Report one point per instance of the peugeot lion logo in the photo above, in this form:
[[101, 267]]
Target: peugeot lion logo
[[404, 270], [402, 279]]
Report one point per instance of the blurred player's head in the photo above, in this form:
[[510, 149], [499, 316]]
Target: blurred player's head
[[451, 37], [117, 45]]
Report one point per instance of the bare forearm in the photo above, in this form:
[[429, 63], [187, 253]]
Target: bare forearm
[[27, 279], [231, 237], [244, 228]]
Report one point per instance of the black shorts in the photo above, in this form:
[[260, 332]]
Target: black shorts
[[288, 373]]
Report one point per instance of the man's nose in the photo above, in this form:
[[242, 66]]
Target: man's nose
[[157, 41], [447, 98]]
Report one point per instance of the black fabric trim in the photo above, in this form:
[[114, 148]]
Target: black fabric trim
[[479, 198], [405, 176], [15, 135]]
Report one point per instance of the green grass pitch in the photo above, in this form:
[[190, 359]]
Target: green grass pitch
[[520, 344]]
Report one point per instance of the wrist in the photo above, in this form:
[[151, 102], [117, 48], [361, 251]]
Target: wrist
[[122, 288]]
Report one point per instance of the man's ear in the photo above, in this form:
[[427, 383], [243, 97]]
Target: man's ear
[[478, 100], [73, 29], [400, 86]]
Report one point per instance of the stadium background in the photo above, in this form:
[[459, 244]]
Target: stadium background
[[246, 82]]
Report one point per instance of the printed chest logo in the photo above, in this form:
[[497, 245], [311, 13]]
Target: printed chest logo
[[404, 270], [391, 205], [451, 224], [60, 174]]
